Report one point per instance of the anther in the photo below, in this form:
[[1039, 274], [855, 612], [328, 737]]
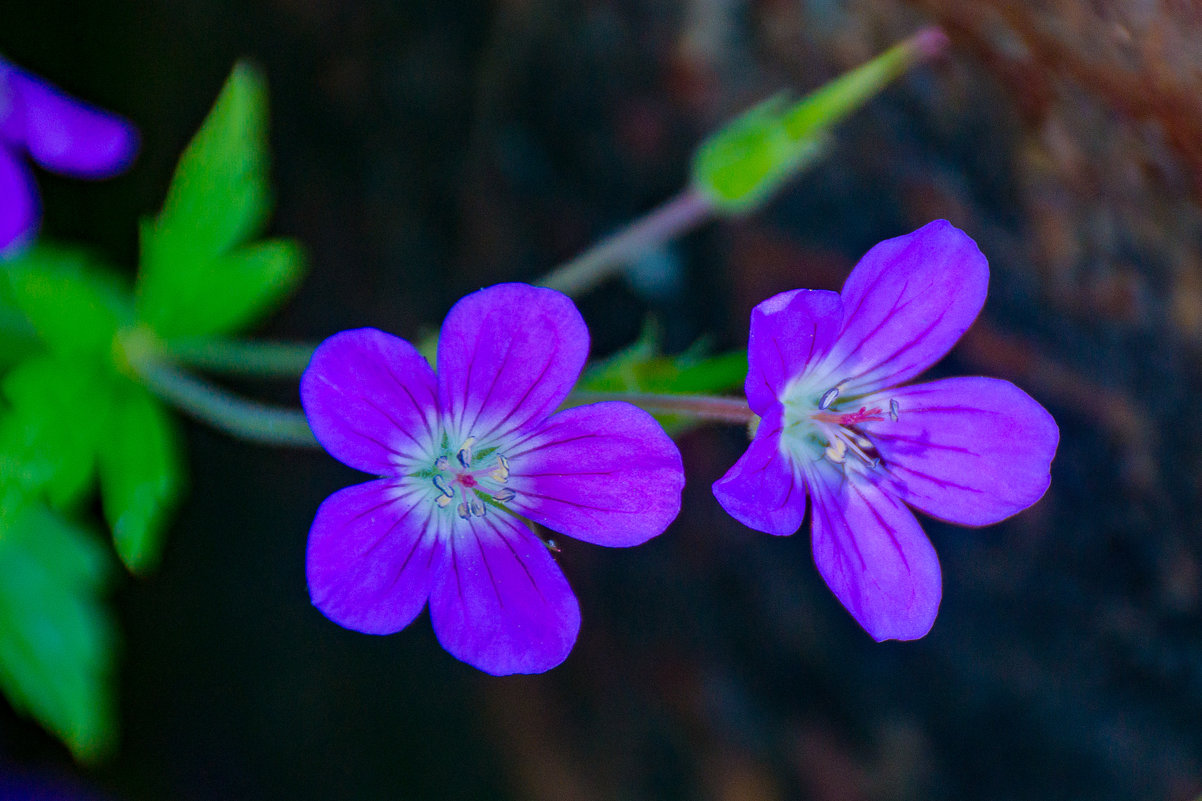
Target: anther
[[827, 398], [442, 463], [500, 474], [443, 501], [894, 408], [504, 495], [440, 484], [552, 546], [476, 507], [465, 452], [462, 511], [837, 451]]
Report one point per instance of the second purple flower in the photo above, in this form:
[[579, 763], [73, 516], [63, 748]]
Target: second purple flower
[[461, 454], [60, 133], [824, 370]]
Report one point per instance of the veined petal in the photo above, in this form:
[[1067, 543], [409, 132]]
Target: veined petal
[[501, 602], [605, 473], [905, 305], [372, 557], [19, 206], [67, 135], [763, 490], [790, 332], [507, 357], [371, 400], [875, 558], [966, 450]]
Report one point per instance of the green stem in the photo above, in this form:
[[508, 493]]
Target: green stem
[[236, 357], [682, 213], [701, 407], [249, 420]]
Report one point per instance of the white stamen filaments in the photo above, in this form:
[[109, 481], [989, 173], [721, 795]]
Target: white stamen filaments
[[475, 488], [816, 429]]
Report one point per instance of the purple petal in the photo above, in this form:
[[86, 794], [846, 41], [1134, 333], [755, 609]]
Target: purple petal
[[605, 473], [762, 490], [507, 357], [905, 305], [373, 554], [789, 333], [501, 603], [875, 558], [967, 450], [67, 135], [371, 400], [19, 206]]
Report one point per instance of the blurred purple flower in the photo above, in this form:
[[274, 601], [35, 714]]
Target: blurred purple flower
[[462, 453], [824, 370], [62, 134]]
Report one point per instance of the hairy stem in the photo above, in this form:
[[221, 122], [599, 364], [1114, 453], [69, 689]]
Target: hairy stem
[[700, 407], [682, 213]]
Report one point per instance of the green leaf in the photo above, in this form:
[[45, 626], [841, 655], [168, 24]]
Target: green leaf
[[57, 639], [643, 367], [49, 437], [73, 302], [219, 196], [141, 476], [198, 276]]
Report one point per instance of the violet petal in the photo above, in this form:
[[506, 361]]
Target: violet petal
[[874, 557], [789, 333], [19, 206], [371, 400], [905, 305], [69, 136], [501, 602], [605, 473], [763, 490], [507, 357], [966, 450], [372, 556]]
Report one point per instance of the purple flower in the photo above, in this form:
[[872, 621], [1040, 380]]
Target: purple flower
[[461, 455], [824, 375], [60, 133]]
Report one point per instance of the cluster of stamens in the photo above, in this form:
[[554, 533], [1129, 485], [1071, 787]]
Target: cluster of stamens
[[475, 487], [838, 433]]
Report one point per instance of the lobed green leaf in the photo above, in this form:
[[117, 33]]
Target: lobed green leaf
[[57, 639], [141, 476]]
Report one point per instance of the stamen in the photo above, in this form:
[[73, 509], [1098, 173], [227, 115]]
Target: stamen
[[837, 451], [440, 484], [462, 511], [443, 501], [894, 408], [465, 452], [504, 495], [476, 507], [828, 398], [442, 463], [501, 473]]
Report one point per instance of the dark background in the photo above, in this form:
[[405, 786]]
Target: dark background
[[425, 149]]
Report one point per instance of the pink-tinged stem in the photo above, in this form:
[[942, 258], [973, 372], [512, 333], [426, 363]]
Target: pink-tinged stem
[[682, 213], [701, 407]]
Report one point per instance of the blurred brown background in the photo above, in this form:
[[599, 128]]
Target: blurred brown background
[[424, 149]]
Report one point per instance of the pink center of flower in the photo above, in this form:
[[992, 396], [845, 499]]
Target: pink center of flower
[[475, 479]]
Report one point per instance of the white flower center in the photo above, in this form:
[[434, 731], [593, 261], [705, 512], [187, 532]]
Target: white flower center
[[465, 481], [816, 426]]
